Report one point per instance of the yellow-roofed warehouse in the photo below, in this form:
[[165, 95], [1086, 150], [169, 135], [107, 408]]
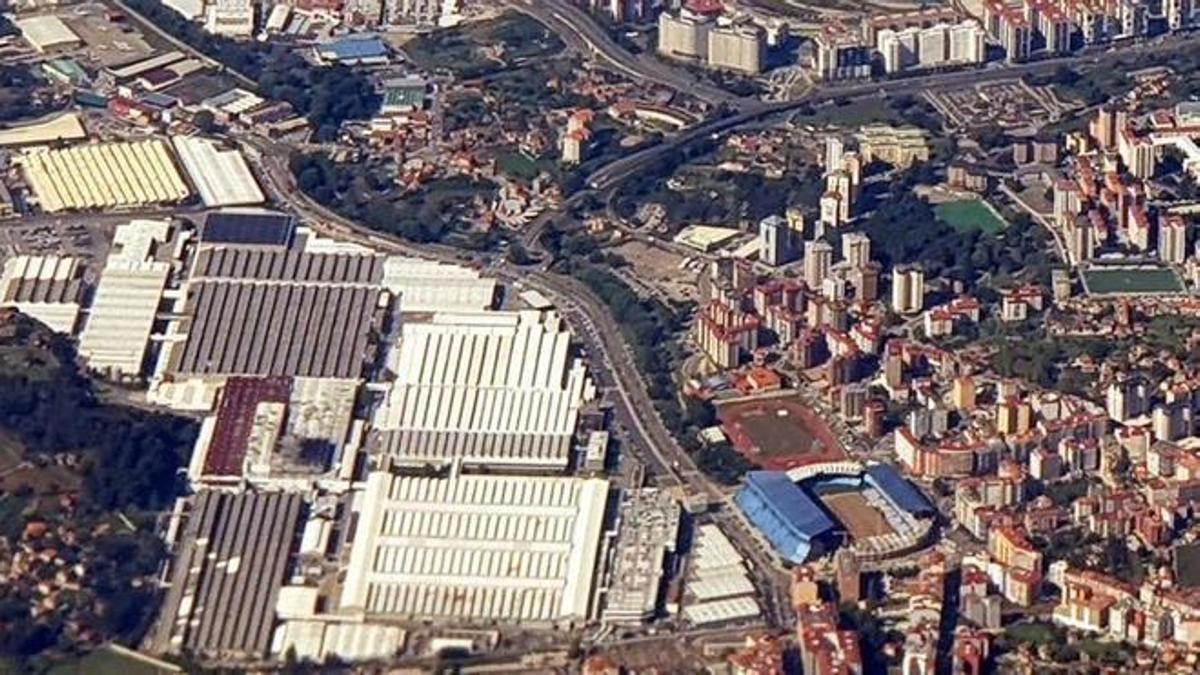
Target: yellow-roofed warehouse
[[104, 176]]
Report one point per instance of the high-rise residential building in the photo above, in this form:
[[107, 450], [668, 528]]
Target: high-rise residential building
[[740, 48], [1172, 239], [898, 48], [1126, 398], [417, 12], [1008, 26], [1067, 201], [841, 54], [362, 12], [1080, 239], [835, 149], [1104, 127], [841, 183], [831, 210], [230, 18], [967, 43], [777, 241], [1053, 26], [624, 11], [933, 46], [908, 289], [1137, 152], [856, 249], [684, 35], [818, 258], [1179, 13]]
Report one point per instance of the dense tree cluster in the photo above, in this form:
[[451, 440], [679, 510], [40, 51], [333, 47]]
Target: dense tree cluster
[[904, 229], [129, 462], [132, 455], [327, 96], [360, 192]]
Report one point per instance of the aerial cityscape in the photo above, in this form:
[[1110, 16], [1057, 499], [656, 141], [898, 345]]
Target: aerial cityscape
[[741, 337]]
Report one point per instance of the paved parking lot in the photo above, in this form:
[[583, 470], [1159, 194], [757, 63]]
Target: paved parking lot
[[86, 240]]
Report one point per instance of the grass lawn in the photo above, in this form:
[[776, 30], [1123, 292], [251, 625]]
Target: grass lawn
[[106, 661], [1115, 281], [968, 215], [1032, 633], [480, 47], [1104, 651], [517, 164]]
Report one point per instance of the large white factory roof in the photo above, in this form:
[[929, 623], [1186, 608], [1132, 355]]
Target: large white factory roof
[[118, 328], [117, 331], [476, 548], [487, 387], [222, 176], [105, 175], [427, 286]]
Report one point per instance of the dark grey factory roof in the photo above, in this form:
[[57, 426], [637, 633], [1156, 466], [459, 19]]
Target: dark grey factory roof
[[260, 311], [253, 227], [309, 330], [231, 563], [241, 262]]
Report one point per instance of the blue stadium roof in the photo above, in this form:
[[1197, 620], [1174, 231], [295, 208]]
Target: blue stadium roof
[[899, 491], [783, 512], [354, 49]]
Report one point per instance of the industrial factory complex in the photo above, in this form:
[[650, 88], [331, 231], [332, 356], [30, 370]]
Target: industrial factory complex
[[381, 443]]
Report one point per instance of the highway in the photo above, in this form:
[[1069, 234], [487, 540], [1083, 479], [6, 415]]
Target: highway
[[589, 318], [581, 32]]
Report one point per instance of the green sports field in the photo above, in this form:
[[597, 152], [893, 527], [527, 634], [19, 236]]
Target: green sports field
[[969, 214], [1122, 280]]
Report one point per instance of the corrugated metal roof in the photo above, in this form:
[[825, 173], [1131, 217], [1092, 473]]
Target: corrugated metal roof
[[255, 227], [485, 387], [354, 49], [477, 548], [790, 503], [118, 328], [899, 491], [221, 175], [227, 575]]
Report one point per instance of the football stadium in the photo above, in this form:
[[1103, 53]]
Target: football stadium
[[809, 511]]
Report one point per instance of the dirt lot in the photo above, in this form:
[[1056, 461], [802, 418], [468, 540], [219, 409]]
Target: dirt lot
[[860, 518], [658, 271]]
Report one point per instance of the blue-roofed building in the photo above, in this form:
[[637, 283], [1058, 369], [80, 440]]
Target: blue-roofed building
[[900, 493], [353, 51], [795, 525]]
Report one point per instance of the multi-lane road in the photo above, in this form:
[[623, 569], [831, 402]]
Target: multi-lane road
[[581, 32], [588, 317]]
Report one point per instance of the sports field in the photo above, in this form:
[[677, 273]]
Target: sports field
[[1123, 280], [779, 433], [861, 519], [970, 214]]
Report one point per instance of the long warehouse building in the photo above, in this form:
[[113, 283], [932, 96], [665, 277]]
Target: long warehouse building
[[476, 549], [117, 333], [221, 176], [47, 288], [256, 311], [227, 573], [487, 388], [104, 176], [428, 286]]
